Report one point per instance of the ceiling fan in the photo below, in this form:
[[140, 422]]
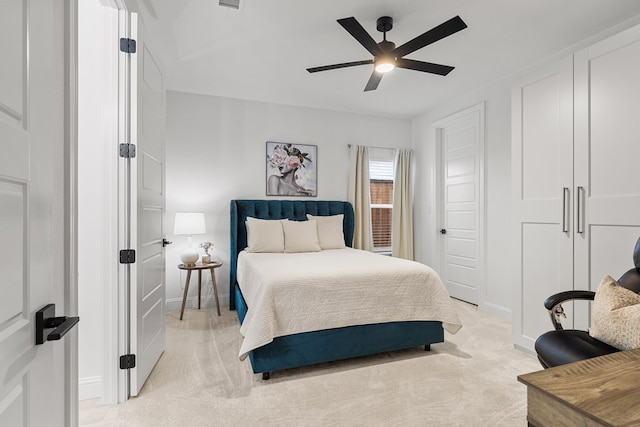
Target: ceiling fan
[[386, 56]]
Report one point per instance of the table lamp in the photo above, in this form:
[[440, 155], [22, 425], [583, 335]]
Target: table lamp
[[189, 223]]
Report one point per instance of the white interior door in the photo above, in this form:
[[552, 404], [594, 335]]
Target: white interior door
[[460, 139], [607, 152], [32, 211], [542, 170], [148, 128]]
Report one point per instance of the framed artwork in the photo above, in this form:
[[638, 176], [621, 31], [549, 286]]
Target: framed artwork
[[292, 169]]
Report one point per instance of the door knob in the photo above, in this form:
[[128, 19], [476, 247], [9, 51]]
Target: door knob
[[45, 319], [165, 242], [443, 231]]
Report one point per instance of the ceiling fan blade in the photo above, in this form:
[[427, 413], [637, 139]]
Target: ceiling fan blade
[[359, 33], [443, 30], [427, 67], [373, 82], [336, 66]]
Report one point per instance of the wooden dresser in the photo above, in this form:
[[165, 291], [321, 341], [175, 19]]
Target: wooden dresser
[[603, 391]]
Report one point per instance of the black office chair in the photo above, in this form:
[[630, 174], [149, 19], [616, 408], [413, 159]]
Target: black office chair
[[562, 346]]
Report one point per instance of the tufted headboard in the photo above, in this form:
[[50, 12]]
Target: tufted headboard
[[296, 210]]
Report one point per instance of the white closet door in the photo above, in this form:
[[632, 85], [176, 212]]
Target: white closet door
[[542, 159], [607, 82]]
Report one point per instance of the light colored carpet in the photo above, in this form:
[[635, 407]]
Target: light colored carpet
[[469, 380]]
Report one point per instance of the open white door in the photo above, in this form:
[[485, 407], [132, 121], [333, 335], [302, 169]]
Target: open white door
[[34, 379], [148, 202]]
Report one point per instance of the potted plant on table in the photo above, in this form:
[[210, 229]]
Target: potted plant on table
[[206, 258]]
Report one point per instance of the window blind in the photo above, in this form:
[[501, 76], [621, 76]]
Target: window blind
[[381, 175]]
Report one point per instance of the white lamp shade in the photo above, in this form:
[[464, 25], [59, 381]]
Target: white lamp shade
[[189, 223]]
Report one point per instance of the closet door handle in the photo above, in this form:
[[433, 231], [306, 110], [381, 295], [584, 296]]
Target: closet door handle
[[565, 209], [580, 210]]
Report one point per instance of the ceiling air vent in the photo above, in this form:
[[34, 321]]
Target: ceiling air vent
[[232, 4]]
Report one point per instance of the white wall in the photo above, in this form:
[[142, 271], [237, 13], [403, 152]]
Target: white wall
[[216, 152]]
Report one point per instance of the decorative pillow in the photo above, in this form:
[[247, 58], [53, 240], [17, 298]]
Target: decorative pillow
[[301, 236], [330, 233], [265, 235], [615, 315]]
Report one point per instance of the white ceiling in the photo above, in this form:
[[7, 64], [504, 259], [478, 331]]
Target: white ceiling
[[261, 52]]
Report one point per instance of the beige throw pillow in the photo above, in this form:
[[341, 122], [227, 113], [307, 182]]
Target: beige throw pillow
[[330, 233], [615, 315], [265, 235], [300, 236]]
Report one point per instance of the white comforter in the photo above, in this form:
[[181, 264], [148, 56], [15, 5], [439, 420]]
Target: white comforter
[[301, 292]]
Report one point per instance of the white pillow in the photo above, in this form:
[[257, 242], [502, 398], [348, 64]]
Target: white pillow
[[330, 233], [265, 235], [615, 315], [301, 236]]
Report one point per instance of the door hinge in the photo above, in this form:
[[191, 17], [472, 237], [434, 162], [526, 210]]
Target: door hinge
[[128, 361], [127, 45], [127, 151], [127, 256]]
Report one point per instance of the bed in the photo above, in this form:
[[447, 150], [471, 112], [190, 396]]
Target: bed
[[275, 350]]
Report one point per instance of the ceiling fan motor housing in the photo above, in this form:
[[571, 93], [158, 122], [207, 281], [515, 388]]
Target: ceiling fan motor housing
[[384, 24], [386, 46]]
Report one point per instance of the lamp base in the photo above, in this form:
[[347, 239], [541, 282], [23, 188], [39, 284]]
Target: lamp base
[[189, 257]]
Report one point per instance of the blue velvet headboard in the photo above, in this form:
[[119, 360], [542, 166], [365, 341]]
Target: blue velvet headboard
[[296, 210]]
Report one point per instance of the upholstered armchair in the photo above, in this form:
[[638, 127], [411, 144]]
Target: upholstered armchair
[[562, 346]]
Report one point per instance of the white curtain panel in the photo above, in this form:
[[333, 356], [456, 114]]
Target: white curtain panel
[[359, 197], [402, 217]]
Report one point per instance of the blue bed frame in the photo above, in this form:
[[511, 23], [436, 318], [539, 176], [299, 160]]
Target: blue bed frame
[[326, 345]]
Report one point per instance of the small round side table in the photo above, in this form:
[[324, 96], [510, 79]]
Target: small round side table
[[199, 267]]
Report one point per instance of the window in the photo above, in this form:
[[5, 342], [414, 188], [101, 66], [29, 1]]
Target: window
[[381, 190]]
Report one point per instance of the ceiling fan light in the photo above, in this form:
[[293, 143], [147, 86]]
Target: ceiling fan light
[[385, 64]]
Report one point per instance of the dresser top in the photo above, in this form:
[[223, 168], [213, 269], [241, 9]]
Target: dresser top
[[605, 388]]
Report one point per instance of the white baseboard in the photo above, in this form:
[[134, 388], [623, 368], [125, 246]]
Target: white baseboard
[[89, 388], [524, 349], [207, 301], [496, 310]]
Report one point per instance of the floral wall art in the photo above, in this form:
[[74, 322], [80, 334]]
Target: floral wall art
[[291, 169]]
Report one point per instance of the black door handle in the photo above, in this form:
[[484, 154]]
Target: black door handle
[[443, 231], [45, 319], [165, 242]]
